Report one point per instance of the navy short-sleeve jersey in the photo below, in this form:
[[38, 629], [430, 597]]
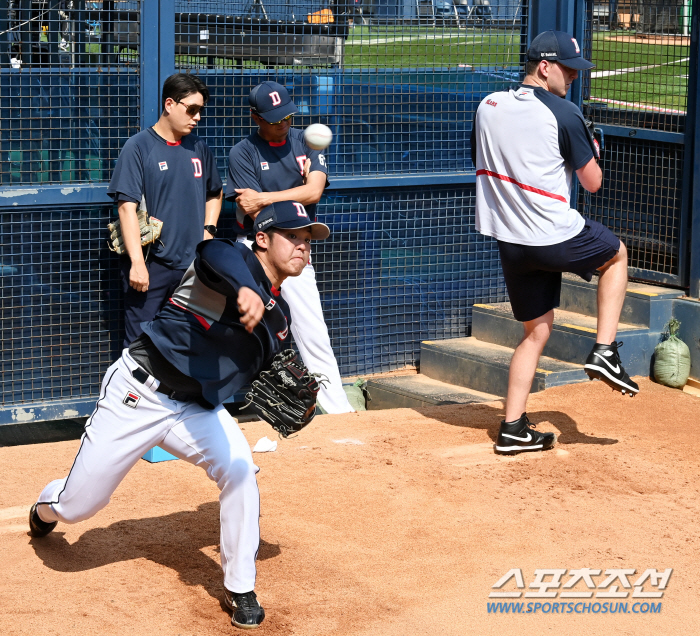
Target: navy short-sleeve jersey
[[269, 167], [176, 180]]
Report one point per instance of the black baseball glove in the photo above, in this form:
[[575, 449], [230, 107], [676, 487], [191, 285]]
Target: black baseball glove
[[285, 395]]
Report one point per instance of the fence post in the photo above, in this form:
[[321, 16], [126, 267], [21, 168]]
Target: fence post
[[148, 56], [552, 14], [562, 15], [166, 41], [692, 133]]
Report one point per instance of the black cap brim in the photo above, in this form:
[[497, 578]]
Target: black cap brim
[[577, 63], [319, 231]]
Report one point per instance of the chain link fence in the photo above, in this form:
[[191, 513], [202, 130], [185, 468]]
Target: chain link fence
[[638, 95], [397, 83], [69, 89]]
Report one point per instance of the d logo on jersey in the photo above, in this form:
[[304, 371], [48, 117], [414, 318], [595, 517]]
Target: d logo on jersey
[[275, 97], [131, 399], [197, 167]]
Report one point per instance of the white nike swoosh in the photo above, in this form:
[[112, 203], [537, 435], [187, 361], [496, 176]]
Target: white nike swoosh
[[614, 369], [520, 439]]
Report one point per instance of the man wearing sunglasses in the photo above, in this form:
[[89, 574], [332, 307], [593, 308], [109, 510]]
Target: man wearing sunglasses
[[271, 165], [174, 172]]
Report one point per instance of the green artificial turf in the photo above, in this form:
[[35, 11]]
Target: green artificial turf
[[403, 47], [663, 86]]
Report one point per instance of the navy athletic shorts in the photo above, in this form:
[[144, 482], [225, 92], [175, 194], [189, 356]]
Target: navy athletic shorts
[[533, 272]]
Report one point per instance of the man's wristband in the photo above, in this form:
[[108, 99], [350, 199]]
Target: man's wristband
[[211, 229]]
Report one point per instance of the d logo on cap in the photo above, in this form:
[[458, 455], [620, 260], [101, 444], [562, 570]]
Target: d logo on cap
[[300, 209], [275, 97]]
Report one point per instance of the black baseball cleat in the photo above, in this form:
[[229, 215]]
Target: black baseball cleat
[[246, 611], [37, 527], [520, 436], [603, 363]]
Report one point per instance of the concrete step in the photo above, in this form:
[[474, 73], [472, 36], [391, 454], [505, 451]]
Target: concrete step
[[415, 391], [572, 339], [646, 305], [483, 366]]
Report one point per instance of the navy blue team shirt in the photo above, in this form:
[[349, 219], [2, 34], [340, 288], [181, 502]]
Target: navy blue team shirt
[[199, 330], [266, 166], [176, 179]]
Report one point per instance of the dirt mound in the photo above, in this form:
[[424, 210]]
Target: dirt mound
[[672, 40], [382, 523]]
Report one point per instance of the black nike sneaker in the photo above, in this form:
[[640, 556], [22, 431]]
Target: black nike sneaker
[[520, 436], [603, 363], [37, 527], [246, 611]]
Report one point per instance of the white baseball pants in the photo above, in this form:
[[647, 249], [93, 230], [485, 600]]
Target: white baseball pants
[[130, 418], [311, 336]]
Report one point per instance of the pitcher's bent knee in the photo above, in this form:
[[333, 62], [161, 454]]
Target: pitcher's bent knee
[[236, 473], [622, 252], [619, 259]]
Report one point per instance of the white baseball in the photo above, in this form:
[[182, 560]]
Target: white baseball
[[318, 136]]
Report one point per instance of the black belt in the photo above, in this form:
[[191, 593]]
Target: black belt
[[141, 376]]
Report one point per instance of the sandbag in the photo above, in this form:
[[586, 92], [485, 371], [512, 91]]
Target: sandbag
[[672, 359], [357, 393]]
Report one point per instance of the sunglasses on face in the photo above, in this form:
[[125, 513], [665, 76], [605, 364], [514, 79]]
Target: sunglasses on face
[[274, 123], [192, 109]]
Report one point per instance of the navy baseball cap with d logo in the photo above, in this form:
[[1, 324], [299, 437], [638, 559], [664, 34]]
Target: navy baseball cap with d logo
[[289, 215], [271, 101], [557, 46]]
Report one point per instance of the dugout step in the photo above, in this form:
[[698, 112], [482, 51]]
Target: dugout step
[[572, 339], [646, 305], [416, 391], [483, 366]]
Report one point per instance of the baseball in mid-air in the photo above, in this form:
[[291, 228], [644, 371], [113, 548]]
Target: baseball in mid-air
[[318, 136]]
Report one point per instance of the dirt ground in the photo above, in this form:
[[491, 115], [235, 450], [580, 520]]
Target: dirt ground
[[380, 523], [678, 40]]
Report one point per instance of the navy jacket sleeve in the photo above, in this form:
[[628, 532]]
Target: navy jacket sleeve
[[220, 265]]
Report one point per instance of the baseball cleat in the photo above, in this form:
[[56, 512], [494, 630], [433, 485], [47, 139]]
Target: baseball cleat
[[603, 363], [520, 436], [246, 611], [37, 527]]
